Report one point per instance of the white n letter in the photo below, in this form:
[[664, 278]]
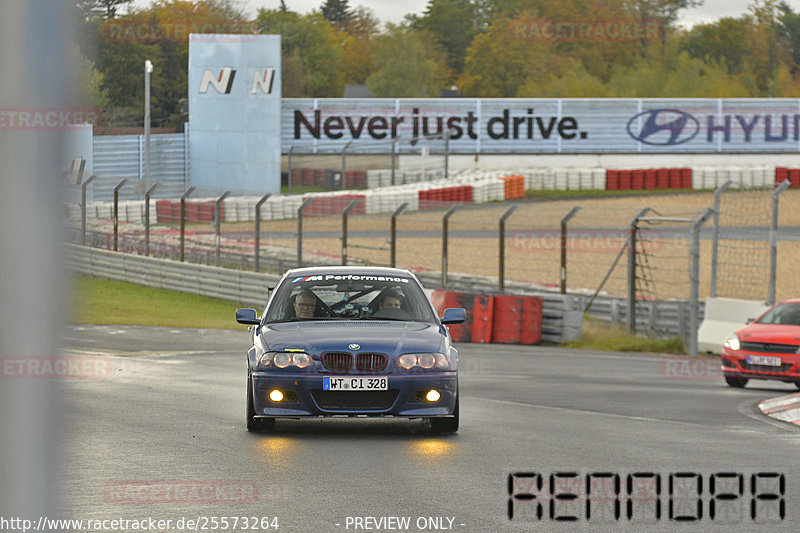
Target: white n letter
[[263, 82], [222, 84]]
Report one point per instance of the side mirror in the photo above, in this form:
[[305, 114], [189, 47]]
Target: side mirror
[[454, 315], [247, 316], [750, 321]]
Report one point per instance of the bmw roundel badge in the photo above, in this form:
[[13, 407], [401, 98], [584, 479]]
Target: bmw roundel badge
[[354, 346]]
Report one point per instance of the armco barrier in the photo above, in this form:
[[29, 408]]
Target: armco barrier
[[236, 285]]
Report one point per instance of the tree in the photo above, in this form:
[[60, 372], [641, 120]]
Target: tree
[[405, 67], [724, 41], [337, 12], [789, 32], [453, 24], [316, 52], [497, 64], [100, 8]]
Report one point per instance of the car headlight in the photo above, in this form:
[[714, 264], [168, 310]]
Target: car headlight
[[407, 361], [732, 343], [426, 361], [301, 360], [286, 359]]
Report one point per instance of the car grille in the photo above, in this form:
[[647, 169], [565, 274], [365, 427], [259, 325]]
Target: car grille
[[764, 347], [337, 361], [766, 368], [355, 400], [371, 362]]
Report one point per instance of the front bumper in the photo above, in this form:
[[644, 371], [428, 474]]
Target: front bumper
[[304, 396], [734, 364]]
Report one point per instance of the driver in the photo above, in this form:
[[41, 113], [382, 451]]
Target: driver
[[304, 304], [392, 301]]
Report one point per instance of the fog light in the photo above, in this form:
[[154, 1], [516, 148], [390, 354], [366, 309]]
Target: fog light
[[433, 396], [276, 395]]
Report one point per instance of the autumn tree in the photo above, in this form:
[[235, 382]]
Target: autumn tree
[[405, 65], [311, 50], [453, 24], [336, 12]]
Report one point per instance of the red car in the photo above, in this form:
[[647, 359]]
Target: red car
[[767, 348]]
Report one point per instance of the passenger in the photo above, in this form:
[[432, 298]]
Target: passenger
[[305, 303]]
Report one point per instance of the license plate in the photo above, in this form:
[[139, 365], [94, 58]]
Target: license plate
[[355, 383], [763, 360]]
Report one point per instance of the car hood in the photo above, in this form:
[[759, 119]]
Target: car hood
[[770, 333], [316, 337]]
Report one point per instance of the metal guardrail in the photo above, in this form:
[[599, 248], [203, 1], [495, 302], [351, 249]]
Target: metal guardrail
[[561, 321], [562, 314], [228, 284]]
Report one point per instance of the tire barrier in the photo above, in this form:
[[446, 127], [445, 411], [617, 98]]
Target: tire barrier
[[168, 212], [514, 186], [791, 174], [648, 179], [500, 319], [335, 205]]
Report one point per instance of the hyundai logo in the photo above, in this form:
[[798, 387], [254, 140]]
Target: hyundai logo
[[354, 346], [664, 127]]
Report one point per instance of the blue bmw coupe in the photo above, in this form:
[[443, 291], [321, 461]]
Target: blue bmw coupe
[[351, 341]]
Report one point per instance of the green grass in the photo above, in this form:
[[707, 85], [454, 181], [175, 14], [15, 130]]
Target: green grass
[[597, 335], [100, 301]]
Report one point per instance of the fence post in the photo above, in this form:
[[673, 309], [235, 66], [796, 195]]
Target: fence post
[[344, 163], [289, 178], [773, 241], [564, 222], [394, 157], [116, 209], [694, 277], [393, 236], [217, 225], [446, 152], [258, 226], [346, 211], [715, 244], [300, 230], [632, 270], [147, 194], [445, 219], [184, 196], [501, 275], [83, 207]]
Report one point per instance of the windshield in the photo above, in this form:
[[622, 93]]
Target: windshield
[[787, 314], [348, 296]]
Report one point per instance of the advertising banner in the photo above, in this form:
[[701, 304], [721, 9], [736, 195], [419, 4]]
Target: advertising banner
[[543, 126]]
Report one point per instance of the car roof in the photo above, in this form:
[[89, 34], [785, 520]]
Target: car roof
[[355, 270]]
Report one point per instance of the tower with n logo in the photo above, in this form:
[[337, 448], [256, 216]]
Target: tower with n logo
[[234, 113]]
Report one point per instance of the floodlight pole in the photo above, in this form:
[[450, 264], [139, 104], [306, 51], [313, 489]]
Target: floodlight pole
[[148, 69], [445, 219]]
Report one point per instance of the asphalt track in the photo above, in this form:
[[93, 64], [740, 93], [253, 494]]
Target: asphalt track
[[171, 415]]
